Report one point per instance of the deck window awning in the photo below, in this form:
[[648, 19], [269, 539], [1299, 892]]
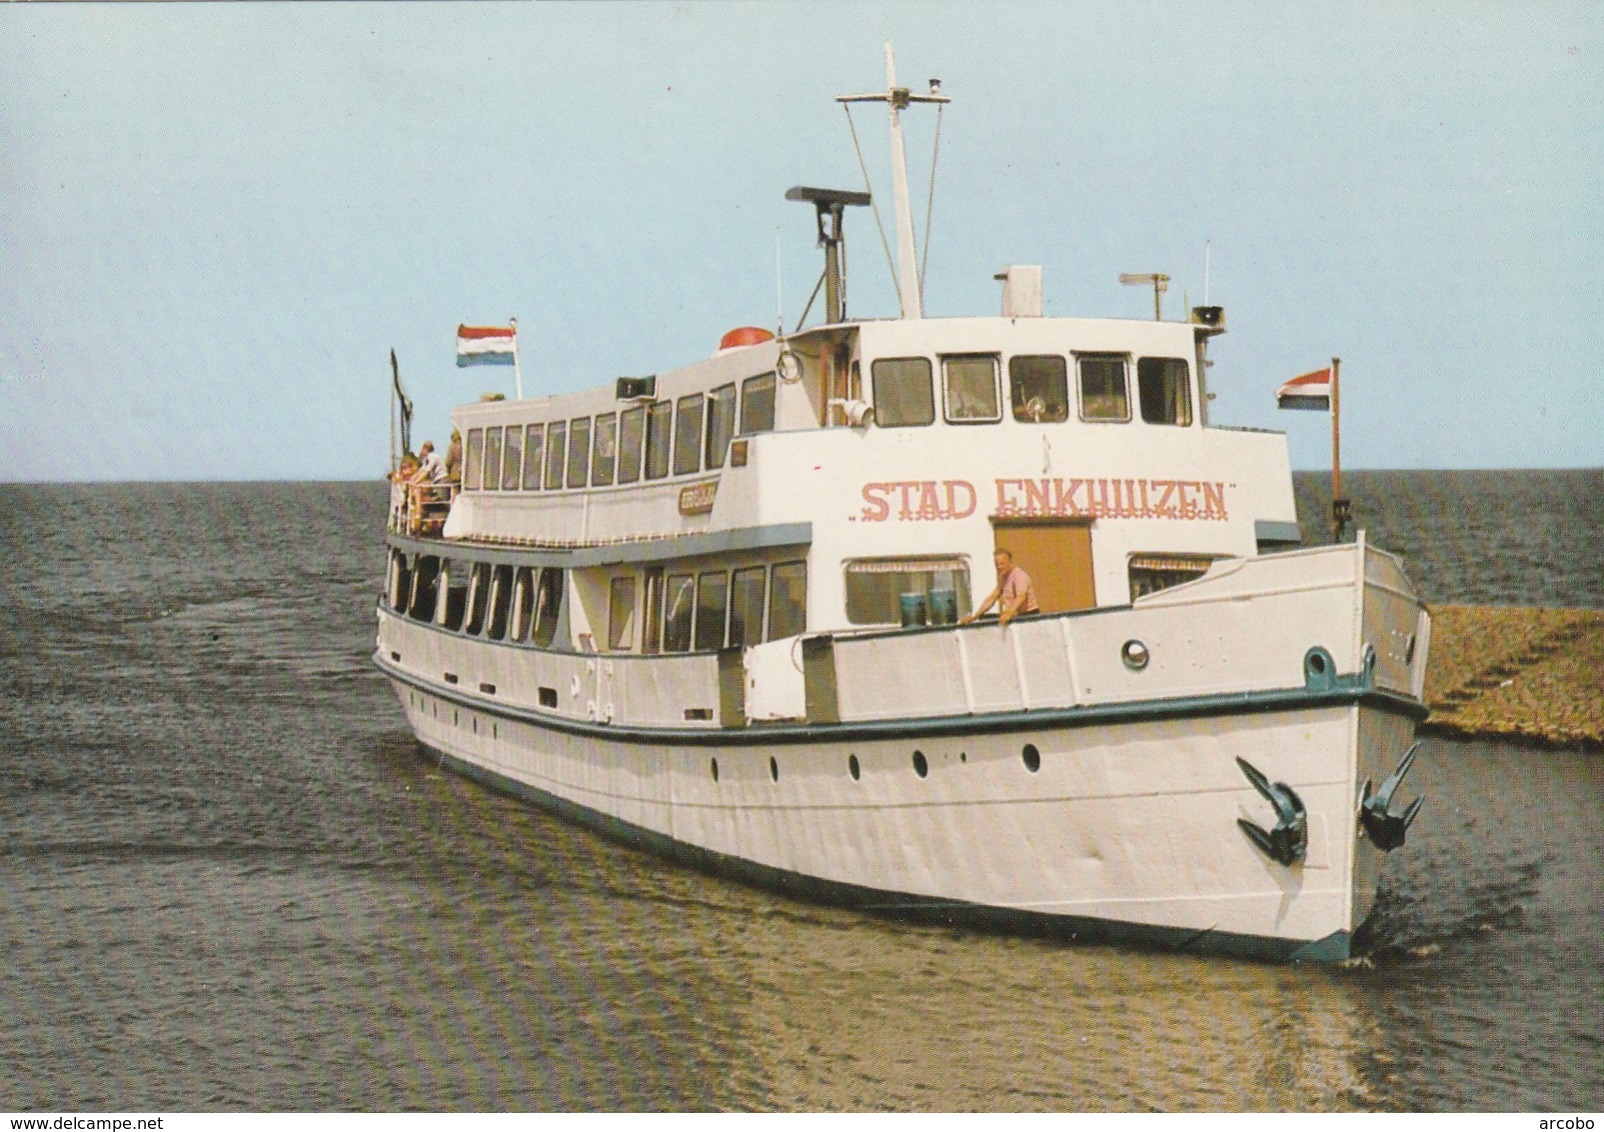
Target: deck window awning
[[1169, 562], [905, 565]]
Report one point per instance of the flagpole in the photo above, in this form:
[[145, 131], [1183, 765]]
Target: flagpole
[[517, 370], [1340, 511]]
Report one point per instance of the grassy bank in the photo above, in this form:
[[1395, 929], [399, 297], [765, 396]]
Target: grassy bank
[[1528, 673]]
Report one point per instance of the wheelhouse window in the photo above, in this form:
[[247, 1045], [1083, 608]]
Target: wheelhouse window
[[746, 606], [604, 453], [969, 388], [875, 586], [512, 459], [902, 392], [720, 424], [621, 614], [1103, 388], [556, 453], [534, 456], [1150, 573], [578, 451], [688, 434], [1164, 390], [757, 404], [631, 440], [472, 459], [492, 459], [788, 600], [712, 602], [679, 610], [659, 431], [1038, 388]]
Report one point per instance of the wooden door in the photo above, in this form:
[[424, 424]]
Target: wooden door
[[1058, 557]]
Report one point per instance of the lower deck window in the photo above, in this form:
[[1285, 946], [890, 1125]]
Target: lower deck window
[[679, 608], [712, 601], [1153, 572], [788, 600], [875, 588], [621, 614], [746, 606]]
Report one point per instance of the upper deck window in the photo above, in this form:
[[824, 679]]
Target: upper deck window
[[604, 453], [969, 384], [512, 459], [1104, 388], [556, 453], [1038, 388], [492, 459], [659, 431], [720, 424], [757, 403], [534, 456], [902, 392], [631, 441], [473, 455], [688, 434], [1164, 390], [578, 450]]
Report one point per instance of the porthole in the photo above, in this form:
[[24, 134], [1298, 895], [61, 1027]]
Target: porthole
[[713, 766], [774, 769], [920, 766], [1135, 655], [852, 767], [1032, 758]]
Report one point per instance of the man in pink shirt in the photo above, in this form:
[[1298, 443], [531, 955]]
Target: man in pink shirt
[[1014, 590]]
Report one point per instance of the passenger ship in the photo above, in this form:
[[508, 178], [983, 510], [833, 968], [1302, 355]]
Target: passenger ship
[[714, 612]]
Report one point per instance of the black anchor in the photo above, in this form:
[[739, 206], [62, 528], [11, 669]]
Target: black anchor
[[1288, 842], [1386, 829]]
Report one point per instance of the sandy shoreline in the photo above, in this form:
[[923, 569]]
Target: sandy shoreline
[[1535, 674]]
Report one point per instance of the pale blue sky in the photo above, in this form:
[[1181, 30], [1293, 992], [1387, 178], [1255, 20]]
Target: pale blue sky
[[218, 219]]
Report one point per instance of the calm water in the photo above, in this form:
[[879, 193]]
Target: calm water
[[230, 879]]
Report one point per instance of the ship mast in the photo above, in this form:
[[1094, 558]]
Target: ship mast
[[897, 98]]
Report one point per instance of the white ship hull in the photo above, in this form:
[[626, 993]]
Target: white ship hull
[[1024, 777]]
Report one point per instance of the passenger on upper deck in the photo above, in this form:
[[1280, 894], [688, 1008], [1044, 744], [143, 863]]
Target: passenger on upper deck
[[454, 458], [431, 469], [408, 469], [1014, 588]]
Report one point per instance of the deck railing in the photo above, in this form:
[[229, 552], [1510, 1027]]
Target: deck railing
[[420, 509]]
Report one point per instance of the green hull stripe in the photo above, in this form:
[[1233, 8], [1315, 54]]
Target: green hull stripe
[[1180, 707]]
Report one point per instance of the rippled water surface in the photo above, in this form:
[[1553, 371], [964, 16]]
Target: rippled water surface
[[230, 879]]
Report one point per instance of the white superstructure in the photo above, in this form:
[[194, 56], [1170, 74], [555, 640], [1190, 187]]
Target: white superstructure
[[713, 610]]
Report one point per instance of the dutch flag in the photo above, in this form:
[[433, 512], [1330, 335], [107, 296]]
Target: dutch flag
[[487, 345], [1311, 391]]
